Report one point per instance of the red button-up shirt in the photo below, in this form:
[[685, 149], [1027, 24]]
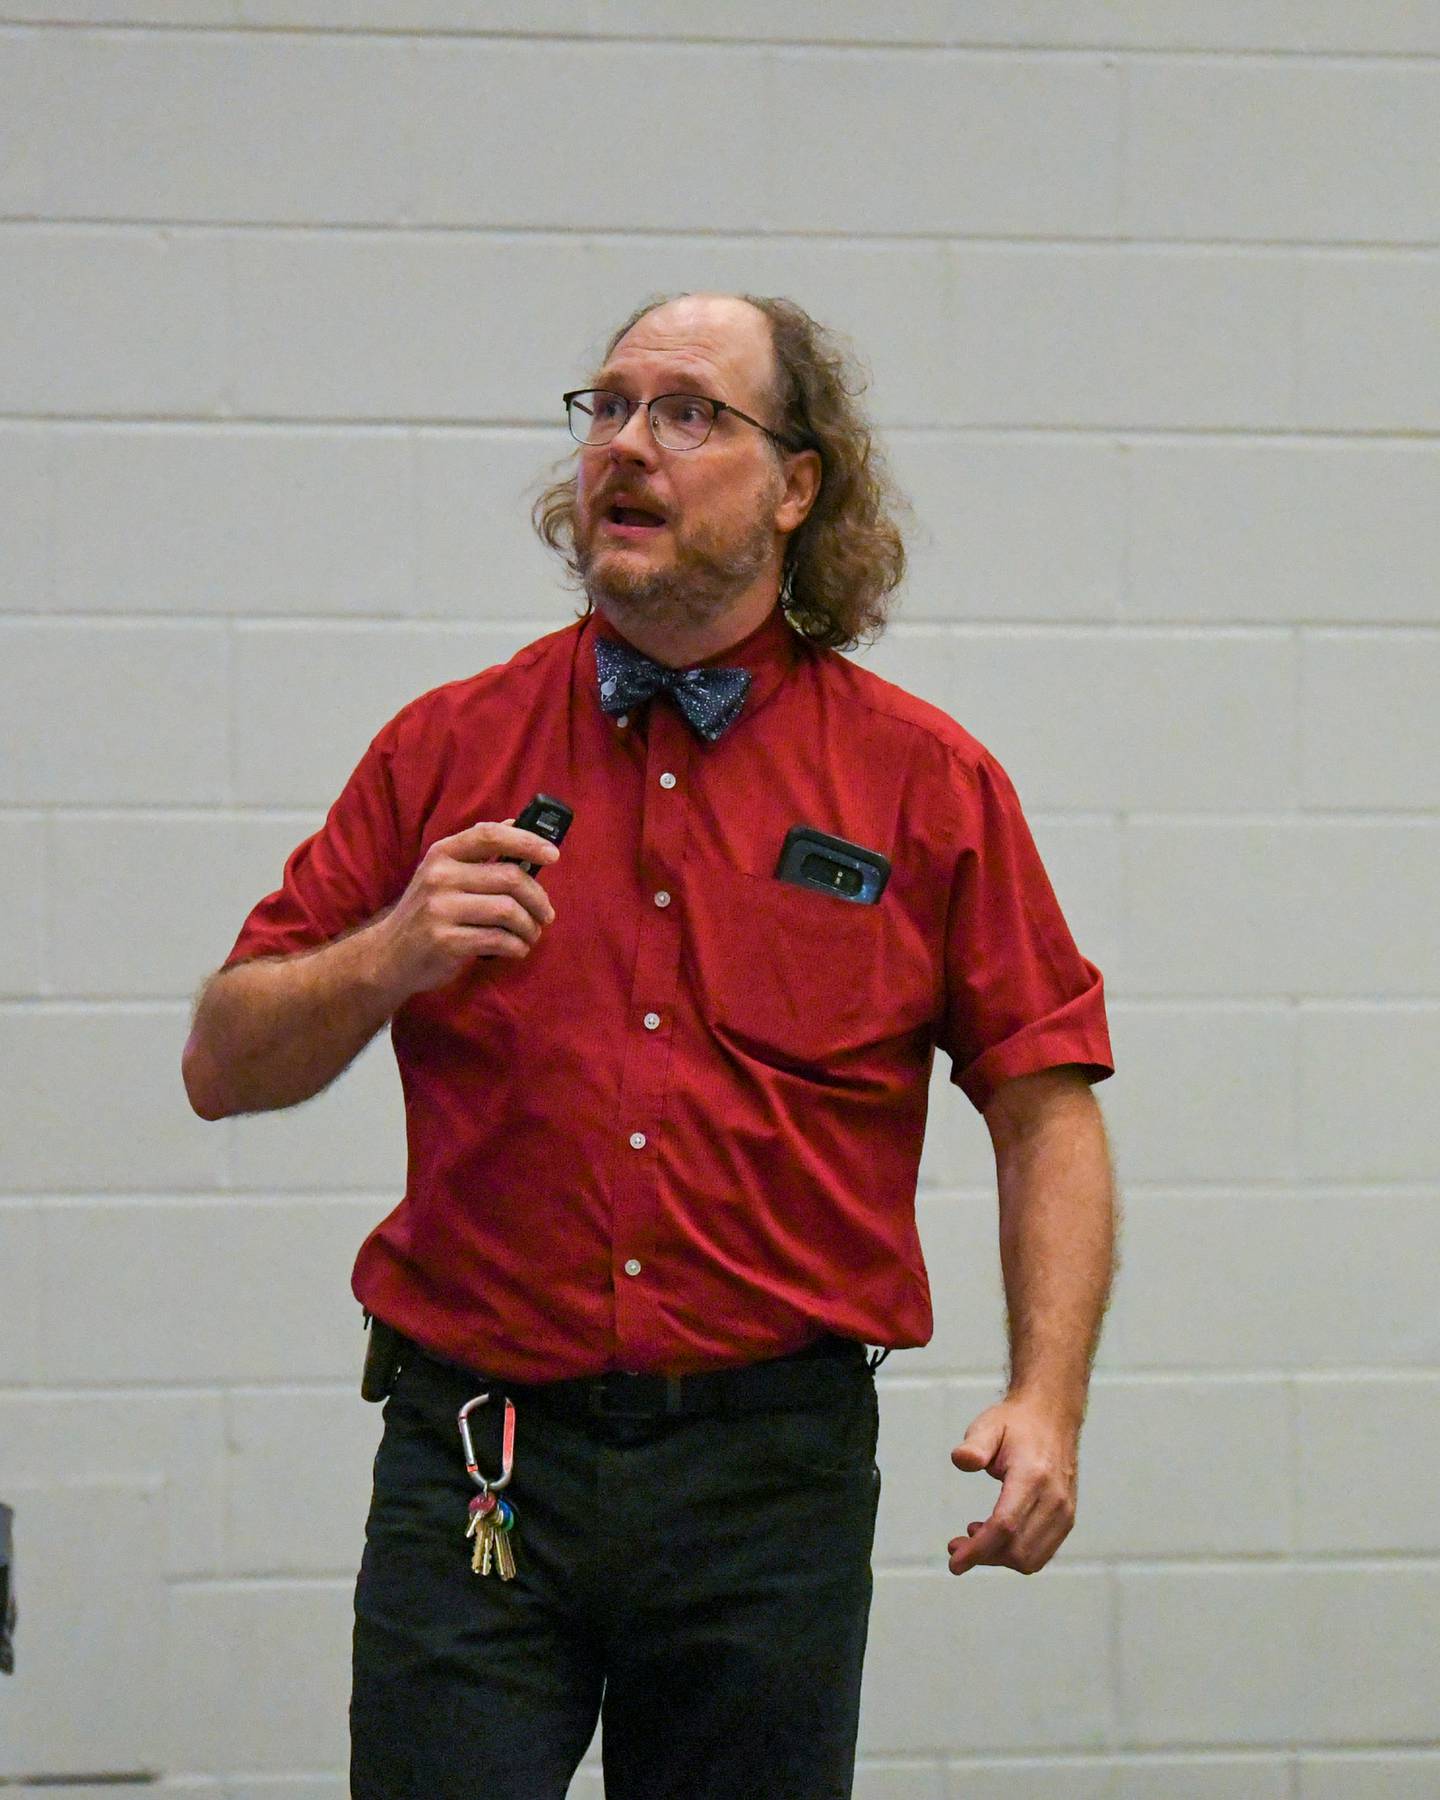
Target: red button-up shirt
[[684, 1131]]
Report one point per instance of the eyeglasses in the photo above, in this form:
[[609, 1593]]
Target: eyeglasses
[[677, 421]]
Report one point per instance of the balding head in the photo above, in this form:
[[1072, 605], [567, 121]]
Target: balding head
[[725, 331]]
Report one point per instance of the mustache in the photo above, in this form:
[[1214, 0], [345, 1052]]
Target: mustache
[[622, 495]]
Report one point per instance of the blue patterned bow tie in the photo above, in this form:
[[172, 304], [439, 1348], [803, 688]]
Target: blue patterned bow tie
[[710, 699]]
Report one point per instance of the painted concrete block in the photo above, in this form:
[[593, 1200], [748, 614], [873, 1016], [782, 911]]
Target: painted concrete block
[[20, 1303], [1368, 1775], [899, 1781], [247, 1652], [27, 486], [1274, 1279], [98, 1102], [24, 889], [1365, 1091], [1183, 1467], [112, 320], [1213, 1655], [964, 145], [917, 1477], [1202, 1092], [298, 1480], [1351, 374], [85, 1696], [1280, 907], [101, 713], [252, 520], [1043, 1680], [184, 1292], [1343, 151], [1347, 1427], [477, 556], [1370, 728], [488, 151], [1298, 25], [960, 1237], [1378, 1624], [1313, 531], [1211, 1777], [171, 1444], [1102, 336], [1023, 527], [206, 127]]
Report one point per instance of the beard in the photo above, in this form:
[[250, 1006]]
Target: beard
[[708, 575]]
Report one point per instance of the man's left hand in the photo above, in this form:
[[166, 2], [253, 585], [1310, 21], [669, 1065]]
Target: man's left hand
[[1032, 1451]]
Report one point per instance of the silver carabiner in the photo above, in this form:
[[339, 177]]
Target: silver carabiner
[[507, 1445]]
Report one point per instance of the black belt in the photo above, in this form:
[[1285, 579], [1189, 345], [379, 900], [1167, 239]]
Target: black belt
[[822, 1373]]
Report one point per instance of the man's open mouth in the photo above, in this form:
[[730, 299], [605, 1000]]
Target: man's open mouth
[[634, 518]]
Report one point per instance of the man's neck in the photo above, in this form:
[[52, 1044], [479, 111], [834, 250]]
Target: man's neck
[[681, 643]]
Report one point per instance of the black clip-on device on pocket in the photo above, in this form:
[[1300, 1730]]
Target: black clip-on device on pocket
[[814, 859]]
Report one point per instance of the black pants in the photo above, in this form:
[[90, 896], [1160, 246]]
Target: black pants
[[699, 1584]]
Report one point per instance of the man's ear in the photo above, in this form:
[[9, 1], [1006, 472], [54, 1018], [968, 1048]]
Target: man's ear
[[802, 486]]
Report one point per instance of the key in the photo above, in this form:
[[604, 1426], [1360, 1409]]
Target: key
[[504, 1516], [482, 1528]]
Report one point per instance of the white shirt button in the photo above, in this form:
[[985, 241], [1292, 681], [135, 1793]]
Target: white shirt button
[[662, 898], [633, 1266], [652, 1021], [667, 780], [637, 1140], [623, 720]]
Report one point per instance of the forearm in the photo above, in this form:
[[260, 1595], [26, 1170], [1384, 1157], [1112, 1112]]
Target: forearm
[[1057, 1251], [275, 1031]]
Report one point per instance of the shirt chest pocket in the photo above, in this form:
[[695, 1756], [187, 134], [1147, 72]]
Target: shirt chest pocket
[[789, 974]]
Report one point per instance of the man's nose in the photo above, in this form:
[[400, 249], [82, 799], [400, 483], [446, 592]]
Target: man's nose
[[635, 442]]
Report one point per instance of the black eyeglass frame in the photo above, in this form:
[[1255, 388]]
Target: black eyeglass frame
[[633, 406]]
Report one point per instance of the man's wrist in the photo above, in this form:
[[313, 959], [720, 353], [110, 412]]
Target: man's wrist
[[1061, 1402], [374, 967]]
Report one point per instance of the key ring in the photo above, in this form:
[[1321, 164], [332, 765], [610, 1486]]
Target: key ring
[[507, 1445]]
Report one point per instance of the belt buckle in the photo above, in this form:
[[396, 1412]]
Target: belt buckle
[[616, 1395], [610, 1392]]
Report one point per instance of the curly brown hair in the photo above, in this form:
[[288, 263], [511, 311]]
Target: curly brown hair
[[844, 562]]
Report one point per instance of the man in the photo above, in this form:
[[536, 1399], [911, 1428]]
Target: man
[[665, 1103]]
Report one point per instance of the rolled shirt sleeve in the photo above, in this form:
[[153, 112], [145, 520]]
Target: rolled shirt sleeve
[[1019, 996], [355, 865]]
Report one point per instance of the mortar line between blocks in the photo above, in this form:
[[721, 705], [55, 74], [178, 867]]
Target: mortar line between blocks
[[951, 45], [1419, 439], [940, 237]]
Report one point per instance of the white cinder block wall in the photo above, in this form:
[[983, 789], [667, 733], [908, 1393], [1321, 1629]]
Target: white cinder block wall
[[1151, 295]]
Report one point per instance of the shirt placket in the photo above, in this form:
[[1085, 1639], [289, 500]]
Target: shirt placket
[[649, 1022]]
